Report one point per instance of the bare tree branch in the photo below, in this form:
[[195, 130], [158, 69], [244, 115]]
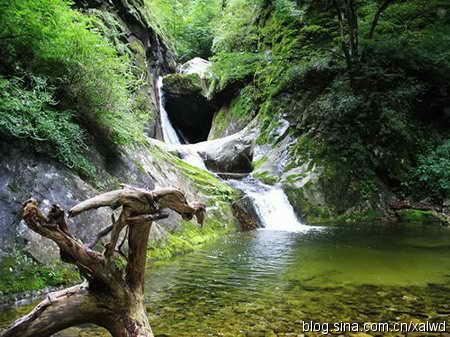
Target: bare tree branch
[[113, 297]]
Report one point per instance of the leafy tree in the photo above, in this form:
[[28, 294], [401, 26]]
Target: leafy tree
[[186, 24]]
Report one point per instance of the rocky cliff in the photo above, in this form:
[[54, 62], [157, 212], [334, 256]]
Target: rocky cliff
[[25, 172]]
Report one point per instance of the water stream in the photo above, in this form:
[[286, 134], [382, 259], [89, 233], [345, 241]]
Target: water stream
[[271, 203], [169, 134], [265, 283], [272, 206]]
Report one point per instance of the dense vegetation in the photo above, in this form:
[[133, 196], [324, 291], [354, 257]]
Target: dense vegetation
[[186, 24], [62, 80], [366, 82]]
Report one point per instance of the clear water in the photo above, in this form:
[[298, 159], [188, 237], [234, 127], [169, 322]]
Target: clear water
[[264, 283]]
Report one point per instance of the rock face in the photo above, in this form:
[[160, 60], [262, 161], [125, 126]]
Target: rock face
[[318, 192], [189, 110], [245, 212], [132, 33], [24, 174], [232, 154], [226, 123]]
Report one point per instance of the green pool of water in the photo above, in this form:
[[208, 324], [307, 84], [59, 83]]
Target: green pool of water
[[266, 283]]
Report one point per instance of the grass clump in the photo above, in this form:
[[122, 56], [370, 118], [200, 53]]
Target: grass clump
[[188, 239], [19, 273], [87, 82], [29, 113]]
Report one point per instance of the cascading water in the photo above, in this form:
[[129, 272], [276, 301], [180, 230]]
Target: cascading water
[[271, 203], [272, 206], [169, 134]]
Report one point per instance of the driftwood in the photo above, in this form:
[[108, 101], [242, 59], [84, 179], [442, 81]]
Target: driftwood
[[112, 297]]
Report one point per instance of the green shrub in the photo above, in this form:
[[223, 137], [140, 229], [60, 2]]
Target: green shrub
[[19, 273], [187, 25], [235, 67], [48, 38], [29, 113], [432, 175], [236, 29]]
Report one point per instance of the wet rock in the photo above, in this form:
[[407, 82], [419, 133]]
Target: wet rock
[[232, 154], [245, 212], [229, 154], [198, 66]]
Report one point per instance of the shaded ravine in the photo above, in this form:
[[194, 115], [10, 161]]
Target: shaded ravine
[[267, 282], [270, 202]]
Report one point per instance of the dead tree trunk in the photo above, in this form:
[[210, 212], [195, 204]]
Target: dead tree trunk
[[111, 296]]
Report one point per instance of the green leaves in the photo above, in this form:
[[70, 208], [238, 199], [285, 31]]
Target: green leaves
[[51, 40], [432, 174], [186, 24], [29, 113]]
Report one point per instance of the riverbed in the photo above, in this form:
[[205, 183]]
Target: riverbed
[[268, 283]]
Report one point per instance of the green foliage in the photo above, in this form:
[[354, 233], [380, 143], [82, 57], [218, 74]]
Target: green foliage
[[29, 113], [186, 24], [235, 67], [236, 29], [431, 177], [48, 38], [19, 273], [368, 129], [189, 238]]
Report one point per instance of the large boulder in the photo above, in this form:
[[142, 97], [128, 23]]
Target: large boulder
[[244, 210], [24, 173], [198, 66], [232, 154], [188, 109]]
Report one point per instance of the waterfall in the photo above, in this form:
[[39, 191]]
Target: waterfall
[[169, 134], [272, 206], [270, 202]]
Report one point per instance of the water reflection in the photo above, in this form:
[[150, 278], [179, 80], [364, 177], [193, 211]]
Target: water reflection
[[264, 283]]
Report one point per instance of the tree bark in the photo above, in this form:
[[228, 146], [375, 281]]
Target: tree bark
[[377, 16], [112, 297]]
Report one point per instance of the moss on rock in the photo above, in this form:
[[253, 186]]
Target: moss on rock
[[189, 238], [182, 84], [19, 273], [415, 216]]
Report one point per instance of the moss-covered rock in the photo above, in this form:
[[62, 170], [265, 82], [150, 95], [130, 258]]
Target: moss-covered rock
[[415, 216], [20, 273], [182, 84], [232, 117]]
